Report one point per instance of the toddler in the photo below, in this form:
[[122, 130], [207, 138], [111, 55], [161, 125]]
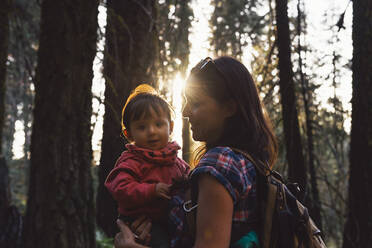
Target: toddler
[[141, 179]]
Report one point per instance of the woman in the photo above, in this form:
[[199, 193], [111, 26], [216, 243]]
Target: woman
[[225, 113]]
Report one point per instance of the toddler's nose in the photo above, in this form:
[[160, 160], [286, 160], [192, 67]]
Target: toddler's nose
[[151, 129]]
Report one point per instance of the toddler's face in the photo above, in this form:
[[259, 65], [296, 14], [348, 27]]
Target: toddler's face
[[151, 132]]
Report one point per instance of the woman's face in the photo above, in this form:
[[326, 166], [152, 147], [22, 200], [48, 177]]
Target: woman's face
[[206, 115]]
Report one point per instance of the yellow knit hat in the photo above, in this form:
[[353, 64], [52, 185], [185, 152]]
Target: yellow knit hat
[[140, 89]]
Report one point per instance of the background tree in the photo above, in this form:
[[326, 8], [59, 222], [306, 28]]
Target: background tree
[[296, 164], [235, 24], [307, 97], [358, 228], [60, 209], [240, 25], [130, 59], [331, 137], [19, 95], [5, 7], [173, 27]]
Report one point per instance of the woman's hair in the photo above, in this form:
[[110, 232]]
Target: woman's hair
[[249, 129], [140, 106]]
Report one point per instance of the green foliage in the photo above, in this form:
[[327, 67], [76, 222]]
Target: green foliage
[[234, 24], [102, 241]]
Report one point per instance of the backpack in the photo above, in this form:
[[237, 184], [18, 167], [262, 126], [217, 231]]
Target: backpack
[[285, 221]]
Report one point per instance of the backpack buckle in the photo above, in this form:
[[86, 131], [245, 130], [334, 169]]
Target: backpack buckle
[[187, 206]]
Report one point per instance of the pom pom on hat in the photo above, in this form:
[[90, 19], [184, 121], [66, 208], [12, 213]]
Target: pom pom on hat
[[140, 89]]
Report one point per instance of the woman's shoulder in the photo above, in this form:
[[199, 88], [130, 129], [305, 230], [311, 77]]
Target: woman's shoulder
[[225, 159], [224, 153], [228, 167]]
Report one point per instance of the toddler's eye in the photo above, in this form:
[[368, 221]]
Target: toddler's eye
[[159, 124]]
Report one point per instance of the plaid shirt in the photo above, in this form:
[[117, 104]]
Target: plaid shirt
[[236, 174]]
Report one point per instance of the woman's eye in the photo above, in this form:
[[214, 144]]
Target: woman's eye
[[194, 103]]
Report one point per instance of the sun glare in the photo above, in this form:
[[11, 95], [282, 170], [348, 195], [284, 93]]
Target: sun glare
[[177, 84]]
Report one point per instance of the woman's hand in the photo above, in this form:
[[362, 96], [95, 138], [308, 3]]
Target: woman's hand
[[125, 238], [142, 227]]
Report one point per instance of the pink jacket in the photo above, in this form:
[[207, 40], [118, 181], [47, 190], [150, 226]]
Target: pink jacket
[[136, 172]]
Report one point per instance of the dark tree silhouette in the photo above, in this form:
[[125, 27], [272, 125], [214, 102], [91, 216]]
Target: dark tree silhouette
[[296, 164], [10, 218], [307, 95], [358, 228], [60, 207], [4, 39]]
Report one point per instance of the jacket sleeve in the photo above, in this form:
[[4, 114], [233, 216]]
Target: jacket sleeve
[[124, 185]]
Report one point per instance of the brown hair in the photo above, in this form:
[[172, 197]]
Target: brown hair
[[140, 106], [249, 129]]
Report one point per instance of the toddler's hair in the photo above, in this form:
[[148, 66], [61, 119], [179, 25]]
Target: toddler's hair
[[140, 107]]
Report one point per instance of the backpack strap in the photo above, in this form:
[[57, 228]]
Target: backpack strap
[[272, 191], [190, 207], [263, 168], [270, 203]]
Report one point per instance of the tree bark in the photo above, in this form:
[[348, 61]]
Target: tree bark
[[314, 207], [60, 207], [296, 164], [4, 41], [130, 59], [358, 227], [183, 52]]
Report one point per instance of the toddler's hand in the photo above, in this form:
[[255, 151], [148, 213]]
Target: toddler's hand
[[162, 190]]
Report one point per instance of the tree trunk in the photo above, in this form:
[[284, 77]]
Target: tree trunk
[[314, 207], [183, 52], [358, 227], [60, 207], [130, 59], [4, 40], [296, 164]]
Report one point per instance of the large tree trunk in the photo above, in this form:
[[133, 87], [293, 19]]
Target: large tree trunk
[[296, 164], [358, 227], [4, 40], [60, 207], [130, 59]]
